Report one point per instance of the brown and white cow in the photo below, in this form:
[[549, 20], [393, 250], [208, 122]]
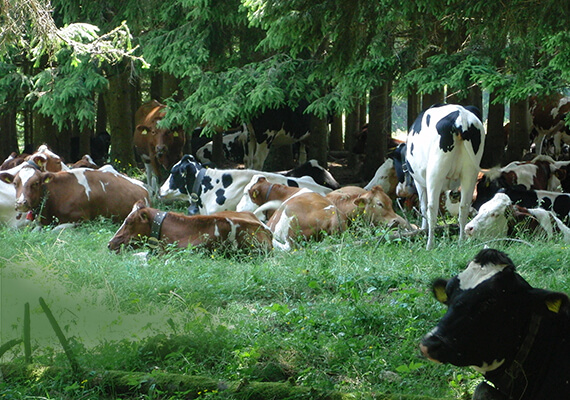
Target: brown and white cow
[[373, 205], [159, 148], [241, 230], [45, 160], [75, 195]]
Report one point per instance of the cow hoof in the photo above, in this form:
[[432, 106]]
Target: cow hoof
[[484, 391]]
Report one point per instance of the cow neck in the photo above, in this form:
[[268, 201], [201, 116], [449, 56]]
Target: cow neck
[[515, 371], [156, 225], [269, 192], [195, 193]]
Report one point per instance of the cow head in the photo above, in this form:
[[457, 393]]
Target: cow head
[[489, 312], [29, 184], [376, 207], [164, 144], [182, 178], [136, 226]]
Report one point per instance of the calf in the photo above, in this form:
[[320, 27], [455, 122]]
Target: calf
[[159, 148], [445, 144], [76, 195], [512, 333], [499, 216], [241, 230], [13, 160], [210, 190]]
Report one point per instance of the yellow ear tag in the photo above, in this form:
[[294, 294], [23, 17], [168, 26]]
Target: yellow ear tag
[[175, 134], [144, 132], [554, 305], [47, 180], [254, 194], [440, 294], [153, 242]]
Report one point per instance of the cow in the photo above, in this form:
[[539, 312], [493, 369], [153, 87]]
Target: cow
[[298, 212], [234, 144], [539, 173], [373, 205], [85, 162], [548, 115], [13, 160], [100, 144], [499, 216], [159, 148], [276, 127], [319, 174], [516, 335], [361, 138], [210, 189], [225, 229], [444, 147], [43, 159], [77, 195], [557, 202]]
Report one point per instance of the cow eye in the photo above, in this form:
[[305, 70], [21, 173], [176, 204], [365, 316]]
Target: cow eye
[[379, 204]]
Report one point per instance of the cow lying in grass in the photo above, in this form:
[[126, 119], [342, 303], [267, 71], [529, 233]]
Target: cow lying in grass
[[227, 229], [296, 214]]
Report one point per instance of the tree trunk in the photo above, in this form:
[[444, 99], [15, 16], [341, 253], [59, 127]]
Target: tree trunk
[[120, 114], [8, 134], [45, 132], [101, 123], [218, 156], [336, 140], [414, 108], [379, 129], [519, 135], [429, 99], [351, 128], [495, 140], [318, 141]]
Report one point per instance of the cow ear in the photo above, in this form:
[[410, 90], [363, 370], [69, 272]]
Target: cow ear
[[40, 160], [6, 177], [360, 202], [553, 302], [46, 177], [439, 292], [142, 129]]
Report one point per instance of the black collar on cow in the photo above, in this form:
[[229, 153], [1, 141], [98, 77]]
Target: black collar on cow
[[515, 371], [195, 193], [157, 224], [34, 165]]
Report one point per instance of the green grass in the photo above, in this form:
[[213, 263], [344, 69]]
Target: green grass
[[345, 314]]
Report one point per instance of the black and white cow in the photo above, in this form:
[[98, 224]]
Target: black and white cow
[[276, 127], [210, 190], [319, 174], [234, 145], [540, 173], [516, 335], [499, 217], [557, 202], [444, 148]]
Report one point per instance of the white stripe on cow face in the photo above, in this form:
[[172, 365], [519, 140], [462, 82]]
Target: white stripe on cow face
[[475, 274]]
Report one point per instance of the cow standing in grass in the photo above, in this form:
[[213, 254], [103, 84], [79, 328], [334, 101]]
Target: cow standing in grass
[[444, 149]]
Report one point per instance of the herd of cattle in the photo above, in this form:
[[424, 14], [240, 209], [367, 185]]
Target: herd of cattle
[[438, 166], [516, 335]]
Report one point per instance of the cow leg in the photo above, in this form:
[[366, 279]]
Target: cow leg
[[302, 154], [538, 141], [151, 179], [433, 194], [467, 188], [557, 138]]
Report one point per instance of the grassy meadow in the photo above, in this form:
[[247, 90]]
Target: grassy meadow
[[343, 315]]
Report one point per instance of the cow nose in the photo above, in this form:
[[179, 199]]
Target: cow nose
[[160, 150], [469, 230]]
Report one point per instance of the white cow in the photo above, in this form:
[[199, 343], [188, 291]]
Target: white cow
[[444, 149]]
